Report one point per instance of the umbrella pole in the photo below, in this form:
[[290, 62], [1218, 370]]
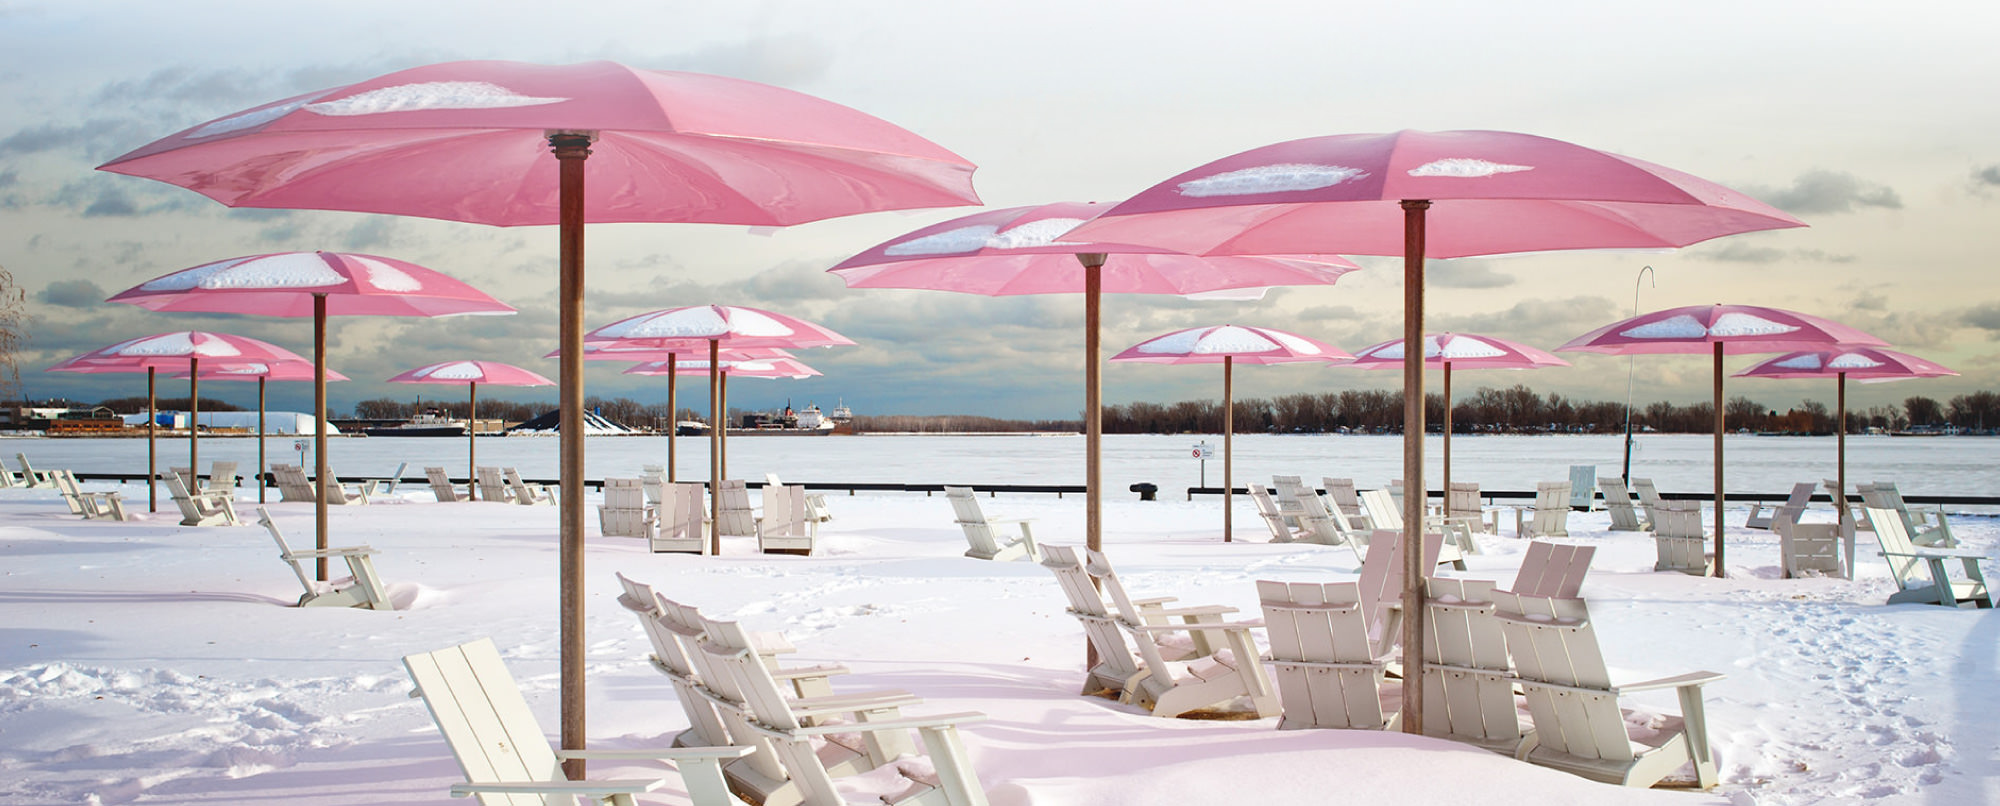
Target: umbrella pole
[[1413, 465], [260, 437], [1447, 440], [1228, 453], [152, 447], [714, 453], [571, 149], [722, 393], [1093, 401], [673, 417], [1719, 497], [319, 432], [1845, 518], [194, 424], [472, 439]]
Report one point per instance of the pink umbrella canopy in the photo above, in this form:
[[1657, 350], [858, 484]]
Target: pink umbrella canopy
[[1490, 192], [1865, 364], [1031, 250], [471, 374], [464, 141], [1718, 330], [1228, 345], [743, 368], [468, 141], [1448, 351]]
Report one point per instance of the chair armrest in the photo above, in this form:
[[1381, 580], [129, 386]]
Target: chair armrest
[[1475, 607], [999, 521], [1155, 601], [810, 707], [1941, 554], [342, 551], [913, 723], [663, 753], [1200, 610], [1694, 679], [1336, 607], [585, 788], [1198, 626], [796, 672]]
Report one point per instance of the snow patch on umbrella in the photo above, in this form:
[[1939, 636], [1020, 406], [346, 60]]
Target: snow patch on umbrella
[[1280, 178], [1804, 361], [1394, 350], [1461, 347], [1743, 324], [290, 270], [1849, 361], [242, 369], [388, 278], [428, 96], [1294, 343], [950, 242], [190, 278], [1466, 168], [247, 120], [453, 371], [171, 344], [1676, 327], [1043, 232]]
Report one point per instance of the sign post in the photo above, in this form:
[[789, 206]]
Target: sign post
[[1203, 451]]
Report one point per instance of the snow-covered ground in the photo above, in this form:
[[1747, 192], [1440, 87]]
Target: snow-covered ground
[[144, 662]]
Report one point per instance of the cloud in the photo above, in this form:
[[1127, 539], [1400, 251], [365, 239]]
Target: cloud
[[1870, 302], [1985, 179], [1738, 251], [72, 294], [1542, 323], [1465, 274], [1823, 191], [111, 203], [1985, 317], [9, 178]]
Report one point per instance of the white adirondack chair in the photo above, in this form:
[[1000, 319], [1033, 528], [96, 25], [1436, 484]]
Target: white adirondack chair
[[1549, 517], [815, 502], [1317, 524], [339, 494], [30, 477], [1923, 573], [681, 523], [656, 482], [492, 485], [1387, 515], [1678, 537], [7, 477], [441, 486], [1347, 503], [1579, 727], [1465, 502], [1840, 498], [88, 504], [624, 512], [188, 479], [1381, 582], [362, 587], [1926, 525], [1232, 671], [738, 517], [529, 494], [1649, 499], [201, 509], [1618, 500], [1583, 487], [292, 483], [984, 534], [221, 476], [747, 688], [1291, 491], [387, 484], [1274, 519], [507, 759], [1468, 684], [1794, 506], [786, 528], [1116, 664], [1328, 672], [1552, 569], [1808, 549]]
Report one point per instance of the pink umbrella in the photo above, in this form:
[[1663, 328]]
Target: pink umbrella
[[1029, 250], [1226, 345], [472, 374], [1496, 193], [1864, 364], [1442, 351], [710, 326], [313, 284], [464, 141], [1717, 329], [614, 351], [300, 370], [182, 350]]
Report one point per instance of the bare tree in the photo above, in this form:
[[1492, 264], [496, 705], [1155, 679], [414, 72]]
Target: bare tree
[[14, 320]]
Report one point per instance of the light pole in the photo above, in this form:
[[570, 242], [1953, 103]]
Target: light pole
[[1645, 272]]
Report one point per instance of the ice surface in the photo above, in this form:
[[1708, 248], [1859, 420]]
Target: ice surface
[[1281, 178]]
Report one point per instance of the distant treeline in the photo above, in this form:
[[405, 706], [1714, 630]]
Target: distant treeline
[[1517, 409]]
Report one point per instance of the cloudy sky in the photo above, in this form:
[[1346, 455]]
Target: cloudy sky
[[1870, 121]]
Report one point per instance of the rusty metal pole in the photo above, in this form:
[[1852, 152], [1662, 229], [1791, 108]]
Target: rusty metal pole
[[1719, 496], [571, 149], [1414, 571], [1228, 454]]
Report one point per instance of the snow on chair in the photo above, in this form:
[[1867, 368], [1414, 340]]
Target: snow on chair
[[786, 528], [1922, 572], [1232, 671], [1618, 501], [201, 509], [1328, 672], [502, 750], [1468, 683], [1678, 538], [1579, 726], [981, 533], [362, 588], [1794, 506], [624, 512]]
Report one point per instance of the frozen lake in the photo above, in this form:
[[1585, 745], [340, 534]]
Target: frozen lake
[[1677, 463]]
